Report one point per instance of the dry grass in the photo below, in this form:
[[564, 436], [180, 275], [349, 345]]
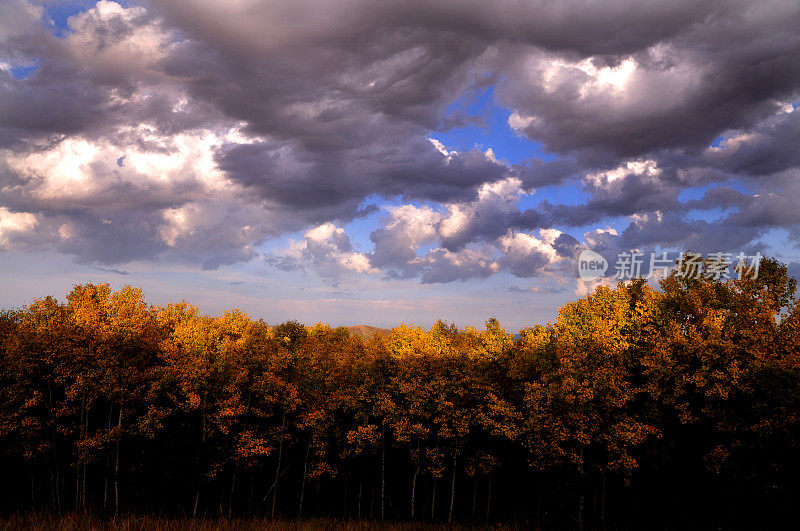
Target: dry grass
[[80, 522]]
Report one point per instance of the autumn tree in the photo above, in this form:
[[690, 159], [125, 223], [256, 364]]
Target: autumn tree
[[579, 409], [688, 392]]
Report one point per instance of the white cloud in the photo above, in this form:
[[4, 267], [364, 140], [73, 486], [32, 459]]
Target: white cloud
[[441, 149], [640, 167], [14, 222], [519, 122], [418, 225], [136, 52], [525, 255], [606, 78], [495, 201], [326, 249], [585, 287], [139, 157]]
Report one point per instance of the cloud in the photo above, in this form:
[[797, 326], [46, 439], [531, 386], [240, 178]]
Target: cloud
[[115, 271], [466, 240], [326, 249], [12, 224], [723, 67], [537, 290], [525, 254], [767, 148], [200, 131]]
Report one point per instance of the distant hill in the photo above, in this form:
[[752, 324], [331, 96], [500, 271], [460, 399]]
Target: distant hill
[[367, 331]]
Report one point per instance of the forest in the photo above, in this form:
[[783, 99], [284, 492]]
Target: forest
[[668, 406]]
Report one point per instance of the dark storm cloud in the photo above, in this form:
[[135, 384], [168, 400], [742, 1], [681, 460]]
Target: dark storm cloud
[[536, 173], [32, 108], [723, 70], [201, 129], [302, 179], [721, 197], [580, 27], [767, 148]]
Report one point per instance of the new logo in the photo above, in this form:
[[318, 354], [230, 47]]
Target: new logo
[[591, 265]]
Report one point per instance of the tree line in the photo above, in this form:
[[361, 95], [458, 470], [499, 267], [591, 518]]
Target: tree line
[[678, 404]]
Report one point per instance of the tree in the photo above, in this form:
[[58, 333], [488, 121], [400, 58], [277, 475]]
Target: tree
[[579, 409]]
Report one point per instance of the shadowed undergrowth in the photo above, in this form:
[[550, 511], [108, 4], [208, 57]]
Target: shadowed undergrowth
[[73, 521]]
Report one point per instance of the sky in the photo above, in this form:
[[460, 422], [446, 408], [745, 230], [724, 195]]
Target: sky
[[376, 162]]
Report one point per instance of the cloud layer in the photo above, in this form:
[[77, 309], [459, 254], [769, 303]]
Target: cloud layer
[[201, 131]]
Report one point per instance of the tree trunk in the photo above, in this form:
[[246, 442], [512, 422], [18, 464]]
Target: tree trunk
[[52, 488], [538, 486], [233, 489], [85, 436], [203, 418], [56, 478], [202, 446], [116, 466], [54, 474], [488, 498], [77, 488], [108, 461], [433, 501], [252, 490], [372, 500], [278, 467], [383, 467], [344, 502], [603, 502], [475, 500], [360, 482], [414, 484], [84, 487], [78, 470], [580, 486], [105, 484], [452, 492], [303, 483]]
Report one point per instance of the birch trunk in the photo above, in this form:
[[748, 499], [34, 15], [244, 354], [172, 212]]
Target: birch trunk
[[278, 467], [603, 503], [414, 485], [452, 492], [488, 498], [360, 482], [344, 502], [116, 466], [383, 468], [433, 501], [303, 483], [475, 499], [233, 489], [581, 500]]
